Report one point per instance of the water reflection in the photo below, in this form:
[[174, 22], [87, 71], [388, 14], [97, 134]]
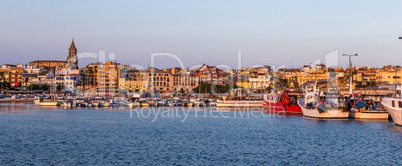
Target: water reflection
[[33, 134]]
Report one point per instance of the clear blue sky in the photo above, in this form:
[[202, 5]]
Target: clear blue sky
[[293, 33]]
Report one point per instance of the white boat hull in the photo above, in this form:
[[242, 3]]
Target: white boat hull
[[394, 112], [48, 103], [240, 104], [331, 113]]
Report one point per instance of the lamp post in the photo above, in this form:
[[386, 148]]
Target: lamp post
[[396, 70], [350, 66]]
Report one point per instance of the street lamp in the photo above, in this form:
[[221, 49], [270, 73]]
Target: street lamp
[[350, 66], [396, 70]]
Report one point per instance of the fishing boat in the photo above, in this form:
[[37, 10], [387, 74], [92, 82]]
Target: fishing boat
[[240, 98], [284, 103], [316, 104], [366, 107]]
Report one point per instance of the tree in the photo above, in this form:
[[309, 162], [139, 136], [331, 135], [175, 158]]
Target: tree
[[44, 87], [359, 85], [2, 76], [207, 88], [26, 80], [32, 87], [282, 83], [269, 88], [2, 79], [90, 72], [60, 87], [181, 91], [203, 88], [5, 85]]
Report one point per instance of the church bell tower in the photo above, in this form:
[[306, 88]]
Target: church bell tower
[[72, 59]]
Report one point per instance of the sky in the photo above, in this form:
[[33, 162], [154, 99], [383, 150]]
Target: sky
[[290, 33]]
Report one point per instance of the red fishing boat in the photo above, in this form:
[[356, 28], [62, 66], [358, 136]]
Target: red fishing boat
[[286, 102]]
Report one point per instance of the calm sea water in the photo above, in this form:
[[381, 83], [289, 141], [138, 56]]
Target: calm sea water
[[47, 136]]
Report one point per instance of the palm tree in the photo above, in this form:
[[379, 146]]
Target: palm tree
[[2, 76], [26, 80], [91, 72], [2, 79]]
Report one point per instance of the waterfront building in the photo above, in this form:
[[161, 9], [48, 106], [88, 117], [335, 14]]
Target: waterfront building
[[72, 60], [260, 82], [140, 87], [183, 80], [312, 75], [48, 64], [244, 84], [211, 75], [28, 79], [4, 70], [135, 81], [160, 81], [106, 77], [389, 75], [69, 82], [15, 78]]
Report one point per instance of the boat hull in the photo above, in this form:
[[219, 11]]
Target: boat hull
[[50, 103], [270, 106], [330, 113], [103, 104], [394, 112], [396, 115], [145, 105], [368, 115], [244, 103]]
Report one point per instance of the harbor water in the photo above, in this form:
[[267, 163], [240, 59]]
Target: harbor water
[[31, 134]]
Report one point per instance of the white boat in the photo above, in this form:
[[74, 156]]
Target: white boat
[[160, 102], [240, 98], [37, 101], [95, 103], [133, 104], [42, 102], [316, 105], [48, 103], [198, 103], [103, 104], [66, 104], [394, 108], [211, 103]]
